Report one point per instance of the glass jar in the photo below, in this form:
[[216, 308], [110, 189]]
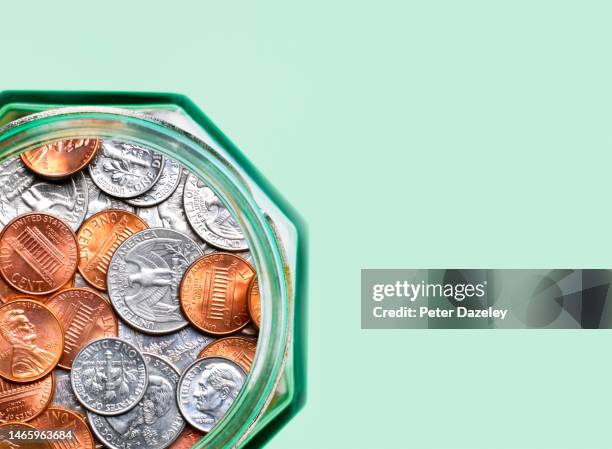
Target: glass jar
[[173, 125]]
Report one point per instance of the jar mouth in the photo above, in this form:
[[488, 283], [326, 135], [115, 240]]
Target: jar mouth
[[220, 173]]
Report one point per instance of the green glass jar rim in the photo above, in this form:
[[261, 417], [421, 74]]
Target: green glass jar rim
[[233, 189]]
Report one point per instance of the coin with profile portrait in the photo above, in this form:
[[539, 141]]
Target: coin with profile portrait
[[31, 340], [207, 389]]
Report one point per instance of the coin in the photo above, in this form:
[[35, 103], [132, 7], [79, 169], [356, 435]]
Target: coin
[[38, 253], [213, 293], [171, 214], [62, 158], [64, 395], [84, 316], [210, 218], [187, 439], [7, 437], [24, 401], [207, 389], [144, 276], [155, 423], [179, 348], [14, 180], [109, 376], [58, 419], [99, 237], [125, 170], [238, 349], [66, 199], [98, 201], [254, 302], [32, 340], [163, 188]]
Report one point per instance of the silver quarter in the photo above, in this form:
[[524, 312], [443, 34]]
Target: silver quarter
[[207, 389], [15, 179], [66, 199], [64, 396], [210, 218], [171, 213], [144, 276], [179, 348], [99, 201], [155, 422], [125, 170], [163, 188], [109, 376]]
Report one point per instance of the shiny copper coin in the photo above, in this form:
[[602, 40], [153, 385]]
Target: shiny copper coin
[[21, 402], [238, 349], [62, 419], [187, 439], [254, 302], [8, 293], [8, 438], [99, 237], [213, 293], [31, 340], [38, 253], [84, 316], [61, 159]]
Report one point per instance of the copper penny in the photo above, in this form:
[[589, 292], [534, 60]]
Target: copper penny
[[213, 293], [238, 349], [31, 340], [255, 302], [24, 401], [6, 441], [62, 419], [61, 159], [38, 253], [8, 293], [187, 439], [99, 237], [84, 316]]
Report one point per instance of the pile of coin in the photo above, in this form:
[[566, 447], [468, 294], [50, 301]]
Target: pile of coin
[[129, 309]]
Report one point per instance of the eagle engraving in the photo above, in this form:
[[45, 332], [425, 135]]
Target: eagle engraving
[[154, 273], [220, 220]]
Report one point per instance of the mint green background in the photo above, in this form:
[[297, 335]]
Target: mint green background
[[410, 135]]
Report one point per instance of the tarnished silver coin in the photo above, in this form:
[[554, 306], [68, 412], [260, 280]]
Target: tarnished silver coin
[[163, 188], [179, 348], [109, 376], [155, 422], [64, 396], [99, 201], [207, 389], [125, 170], [144, 276], [210, 218], [171, 213], [15, 179], [64, 199]]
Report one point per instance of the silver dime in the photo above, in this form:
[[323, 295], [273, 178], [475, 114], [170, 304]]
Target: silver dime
[[109, 376], [210, 218], [66, 199], [207, 389], [125, 170], [155, 422], [64, 396], [179, 348], [163, 188], [144, 276], [99, 201], [171, 214]]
